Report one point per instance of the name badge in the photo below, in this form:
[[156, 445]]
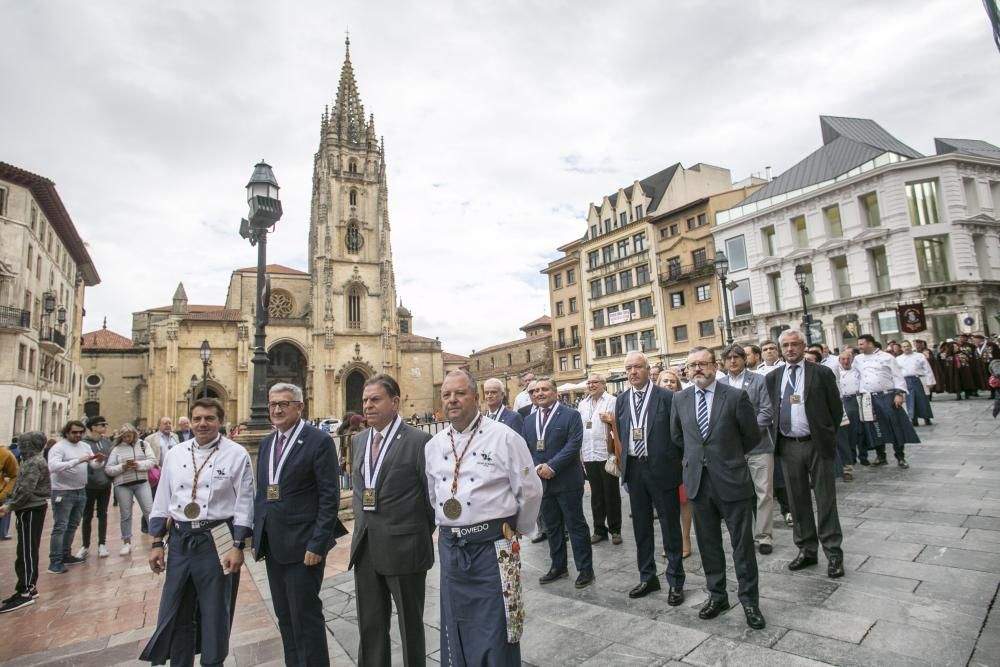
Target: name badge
[[273, 492], [795, 399], [368, 500], [587, 424], [637, 434], [540, 445]]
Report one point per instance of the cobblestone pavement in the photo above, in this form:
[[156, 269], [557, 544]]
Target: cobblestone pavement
[[922, 554]]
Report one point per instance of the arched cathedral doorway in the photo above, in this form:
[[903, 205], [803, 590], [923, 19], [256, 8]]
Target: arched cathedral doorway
[[353, 389], [286, 363]]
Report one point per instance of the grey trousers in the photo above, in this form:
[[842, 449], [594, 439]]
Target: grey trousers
[[762, 473], [802, 463]]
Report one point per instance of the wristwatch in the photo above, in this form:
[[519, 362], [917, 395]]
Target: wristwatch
[[241, 545]]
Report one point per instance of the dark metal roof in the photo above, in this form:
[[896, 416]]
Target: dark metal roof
[[654, 186], [847, 143], [967, 146]]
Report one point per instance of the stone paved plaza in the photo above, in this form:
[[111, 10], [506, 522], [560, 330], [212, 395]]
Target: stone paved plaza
[[922, 554]]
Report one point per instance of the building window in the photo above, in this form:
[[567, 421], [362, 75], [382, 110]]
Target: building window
[[600, 348], [736, 252], [574, 334], [31, 361], [625, 279], [838, 266], [561, 337], [354, 307], [800, 233], [623, 248], [639, 243], [31, 258], [610, 284], [593, 231], [570, 276], [576, 362], [706, 328], [869, 210], [774, 289], [674, 267], [557, 281], [3, 206], [646, 306], [595, 288], [922, 199], [631, 342], [630, 307], [559, 309], [510, 359], [664, 233], [623, 218], [607, 225], [404, 326], [690, 224], [593, 259], [616, 345], [677, 299], [880, 268], [354, 240], [353, 197], [702, 219], [932, 259], [642, 274], [699, 258], [598, 316], [572, 304], [674, 229], [638, 211], [22, 357], [608, 253], [647, 340], [563, 364], [768, 241], [741, 298], [611, 311], [352, 166], [834, 227]]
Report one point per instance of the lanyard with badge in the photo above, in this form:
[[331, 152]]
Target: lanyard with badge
[[639, 422], [452, 507], [274, 470], [541, 424], [368, 497], [193, 510], [795, 398]]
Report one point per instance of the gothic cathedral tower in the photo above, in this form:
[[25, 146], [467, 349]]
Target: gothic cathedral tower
[[353, 315]]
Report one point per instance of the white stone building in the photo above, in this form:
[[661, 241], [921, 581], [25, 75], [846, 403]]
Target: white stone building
[[874, 225]]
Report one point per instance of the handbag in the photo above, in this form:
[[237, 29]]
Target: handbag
[[614, 451]]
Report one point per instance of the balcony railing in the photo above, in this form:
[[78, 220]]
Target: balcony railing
[[620, 263], [52, 336], [567, 344], [674, 273], [14, 318]]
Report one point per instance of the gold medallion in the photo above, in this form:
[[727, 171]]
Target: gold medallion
[[795, 399], [637, 434], [192, 510], [368, 499], [540, 445], [273, 492], [452, 508]]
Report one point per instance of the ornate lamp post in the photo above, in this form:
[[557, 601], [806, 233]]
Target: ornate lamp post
[[265, 211], [721, 269], [194, 387], [800, 278], [206, 356]]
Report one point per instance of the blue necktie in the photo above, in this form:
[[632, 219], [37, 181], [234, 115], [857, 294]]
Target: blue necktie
[[639, 445], [702, 413]]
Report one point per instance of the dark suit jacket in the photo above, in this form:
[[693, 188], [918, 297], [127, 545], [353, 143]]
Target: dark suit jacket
[[305, 518], [563, 439], [525, 410], [824, 409], [732, 434], [399, 531], [513, 420], [664, 459]]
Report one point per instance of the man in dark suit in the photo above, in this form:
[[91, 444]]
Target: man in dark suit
[[651, 473], [808, 413], [554, 435], [715, 426], [295, 522], [392, 548], [495, 396]]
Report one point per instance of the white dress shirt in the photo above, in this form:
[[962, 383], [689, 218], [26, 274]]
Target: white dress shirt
[[225, 485], [849, 382], [522, 399], [879, 372], [595, 436], [738, 381], [915, 364], [833, 363], [497, 478], [800, 424], [764, 369]]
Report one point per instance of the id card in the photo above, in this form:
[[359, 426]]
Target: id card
[[368, 500], [587, 424], [540, 445], [637, 434], [273, 492], [795, 399]]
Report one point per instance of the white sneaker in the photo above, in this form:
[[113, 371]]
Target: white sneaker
[[102, 551], [125, 550], [82, 552]]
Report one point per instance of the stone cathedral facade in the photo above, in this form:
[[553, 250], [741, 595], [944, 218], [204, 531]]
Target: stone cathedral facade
[[331, 326]]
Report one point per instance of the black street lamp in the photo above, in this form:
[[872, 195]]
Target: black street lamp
[[265, 211], [722, 323], [801, 277], [721, 269], [206, 356], [194, 387]]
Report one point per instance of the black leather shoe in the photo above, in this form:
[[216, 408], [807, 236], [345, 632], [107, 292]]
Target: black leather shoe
[[801, 561], [765, 548], [864, 462], [902, 463], [596, 539], [713, 608], [553, 575], [675, 597], [835, 568], [881, 462], [584, 579], [540, 537], [755, 619], [927, 422], [644, 588]]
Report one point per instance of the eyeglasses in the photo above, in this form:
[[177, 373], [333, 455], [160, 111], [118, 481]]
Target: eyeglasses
[[281, 404], [701, 364]]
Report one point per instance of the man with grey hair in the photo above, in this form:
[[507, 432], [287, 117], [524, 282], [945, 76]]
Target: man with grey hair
[[161, 440], [494, 393], [605, 494]]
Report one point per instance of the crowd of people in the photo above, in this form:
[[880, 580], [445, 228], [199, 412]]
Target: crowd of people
[[717, 441]]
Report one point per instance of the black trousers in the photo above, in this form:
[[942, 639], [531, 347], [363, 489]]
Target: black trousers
[[374, 595], [295, 596], [605, 499], [29, 539], [804, 468], [709, 511], [563, 512], [647, 494], [96, 499]]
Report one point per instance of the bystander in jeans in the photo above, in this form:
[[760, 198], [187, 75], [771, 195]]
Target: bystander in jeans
[[98, 489], [129, 465], [68, 461], [27, 500]]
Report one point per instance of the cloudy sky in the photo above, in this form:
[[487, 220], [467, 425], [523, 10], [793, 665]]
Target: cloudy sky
[[502, 122]]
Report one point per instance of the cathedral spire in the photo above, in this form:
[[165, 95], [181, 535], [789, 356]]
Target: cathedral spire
[[348, 116]]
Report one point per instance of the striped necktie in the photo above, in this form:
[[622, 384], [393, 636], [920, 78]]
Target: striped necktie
[[639, 445], [702, 413]]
